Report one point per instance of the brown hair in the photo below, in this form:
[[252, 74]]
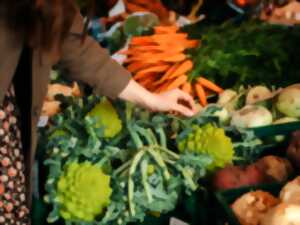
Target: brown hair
[[45, 23]]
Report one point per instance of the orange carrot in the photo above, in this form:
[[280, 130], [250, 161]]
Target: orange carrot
[[140, 76], [201, 94], [187, 87], [144, 40], [177, 82], [165, 29], [174, 58], [136, 66], [167, 74], [184, 67], [209, 85], [154, 69]]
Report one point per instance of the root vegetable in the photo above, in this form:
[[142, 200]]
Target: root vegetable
[[276, 169], [290, 193], [232, 177], [283, 214], [252, 207], [289, 101], [227, 96], [252, 116], [257, 94]]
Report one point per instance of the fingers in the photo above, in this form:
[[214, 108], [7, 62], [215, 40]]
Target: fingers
[[185, 111], [187, 98]]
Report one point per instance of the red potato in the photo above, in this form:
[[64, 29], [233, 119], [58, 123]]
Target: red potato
[[293, 151], [276, 169], [232, 177]]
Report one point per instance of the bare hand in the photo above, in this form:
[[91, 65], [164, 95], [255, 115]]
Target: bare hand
[[173, 101]]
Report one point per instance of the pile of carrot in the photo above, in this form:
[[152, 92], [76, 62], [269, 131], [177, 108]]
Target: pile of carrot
[[159, 63], [154, 6]]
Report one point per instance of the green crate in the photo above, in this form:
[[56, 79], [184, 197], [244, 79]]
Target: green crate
[[226, 198]]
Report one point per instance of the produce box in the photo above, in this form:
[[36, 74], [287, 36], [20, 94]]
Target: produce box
[[226, 198], [279, 129]]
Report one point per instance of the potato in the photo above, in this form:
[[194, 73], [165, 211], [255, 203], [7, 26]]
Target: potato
[[290, 193], [251, 207], [283, 214], [235, 177], [276, 169]]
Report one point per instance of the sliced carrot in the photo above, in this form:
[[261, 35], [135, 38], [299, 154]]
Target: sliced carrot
[[177, 82], [187, 87], [209, 85], [201, 94], [184, 67]]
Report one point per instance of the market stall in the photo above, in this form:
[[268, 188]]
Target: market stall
[[104, 162]]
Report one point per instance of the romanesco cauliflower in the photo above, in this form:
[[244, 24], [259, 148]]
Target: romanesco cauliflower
[[107, 118], [209, 140], [83, 192]]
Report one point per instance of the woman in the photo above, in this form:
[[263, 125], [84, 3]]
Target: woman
[[35, 35]]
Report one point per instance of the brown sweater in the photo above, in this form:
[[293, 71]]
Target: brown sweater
[[86, 62]]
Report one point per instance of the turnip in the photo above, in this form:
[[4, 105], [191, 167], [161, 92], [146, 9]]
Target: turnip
[[257, 94], [288, 102], [226, 97], [252, 116]]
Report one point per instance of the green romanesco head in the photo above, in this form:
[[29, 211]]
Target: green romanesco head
[[83, 192], [107, 118], [209, 140]]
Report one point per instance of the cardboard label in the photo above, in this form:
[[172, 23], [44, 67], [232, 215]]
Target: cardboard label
[[175, 221], [43, 121], [118, 9]]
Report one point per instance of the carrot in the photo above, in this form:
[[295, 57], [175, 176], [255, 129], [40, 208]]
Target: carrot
[[167, 74], [144, 40], [165, 29], [154, 69], [175, 58], [135, 8], [184, 67], [136, 66], [177, 82], [190, 44], [187, 87], [201, 94], [168, 37], [209, 85]]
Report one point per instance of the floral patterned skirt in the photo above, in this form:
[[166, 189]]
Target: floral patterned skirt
[[13, 209]]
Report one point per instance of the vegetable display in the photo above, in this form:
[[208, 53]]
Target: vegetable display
[[133, 171]]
